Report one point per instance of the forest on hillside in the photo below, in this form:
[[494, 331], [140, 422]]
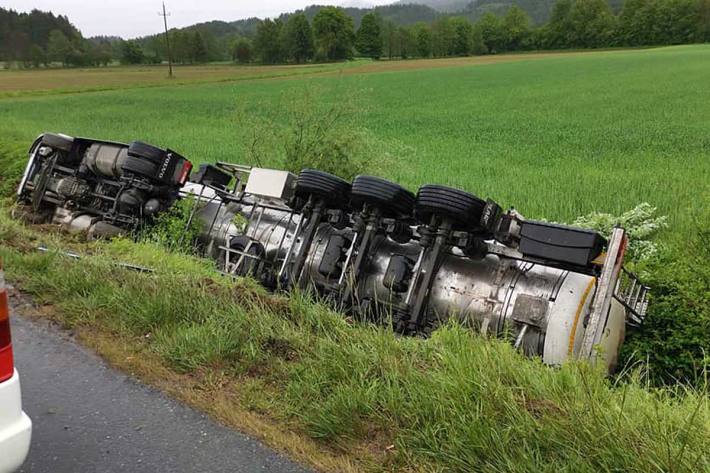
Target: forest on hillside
[[323, 34], [332, 35], [40, 38]]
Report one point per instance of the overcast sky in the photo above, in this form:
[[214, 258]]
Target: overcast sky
[[131, 18]]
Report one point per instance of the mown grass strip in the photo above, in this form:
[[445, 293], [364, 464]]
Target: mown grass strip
[[55, 89]]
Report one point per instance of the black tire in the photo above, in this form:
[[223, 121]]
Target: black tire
[[141, 167], [250, 266], [58, 142], [321, 185], [144, 150], [392, 199], [464, 210]]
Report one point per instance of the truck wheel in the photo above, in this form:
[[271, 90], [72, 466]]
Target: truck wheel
[[334, 190], [462, 208], [392, 199]]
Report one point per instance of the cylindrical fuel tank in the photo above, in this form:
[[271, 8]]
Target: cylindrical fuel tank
[[541, 309], [219, 222], [106, 160], [274, 228]]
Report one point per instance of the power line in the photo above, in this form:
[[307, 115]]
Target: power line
[[167, 41]]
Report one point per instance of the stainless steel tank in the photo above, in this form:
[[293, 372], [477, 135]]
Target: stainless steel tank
[[351, 256]]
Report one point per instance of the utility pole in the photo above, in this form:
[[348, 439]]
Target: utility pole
[[167, 41]]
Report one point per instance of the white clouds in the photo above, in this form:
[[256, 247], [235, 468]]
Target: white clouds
[[131, 18]]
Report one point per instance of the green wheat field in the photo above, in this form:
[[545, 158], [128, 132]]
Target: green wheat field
[[556, 136]]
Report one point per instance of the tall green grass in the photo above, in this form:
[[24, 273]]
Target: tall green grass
[[455, 402], [557, 137]]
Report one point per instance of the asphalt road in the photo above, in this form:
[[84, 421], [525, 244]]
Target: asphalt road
[[88, 417]]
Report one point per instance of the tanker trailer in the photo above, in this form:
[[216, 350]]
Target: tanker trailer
[[384, 254], [369, 247], [101, 188]]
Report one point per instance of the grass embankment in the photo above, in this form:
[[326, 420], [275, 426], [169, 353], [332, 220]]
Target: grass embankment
[[361, 398], [454, 402]]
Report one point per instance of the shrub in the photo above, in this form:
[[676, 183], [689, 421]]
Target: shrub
[[641, 224], [309, 134], [674, 341], [673, 345], [173, 229]]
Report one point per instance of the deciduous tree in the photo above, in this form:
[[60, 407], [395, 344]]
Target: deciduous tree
[[37, 56], [59, 47], [268, 44], [298, 38], [242, 51], [593, 24], [198, 48], [702, 28], [132, 53], [559, 30], [368, 41], [391, 39], [406, 39], [334, 33], [463, 36], [423, 39], [492, 32], [443, 37], [516, 26]]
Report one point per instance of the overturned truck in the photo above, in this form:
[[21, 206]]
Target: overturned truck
[[103, 188], [370, 247]]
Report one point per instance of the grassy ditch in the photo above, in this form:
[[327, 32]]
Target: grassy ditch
[[343, 396], [370, 399]]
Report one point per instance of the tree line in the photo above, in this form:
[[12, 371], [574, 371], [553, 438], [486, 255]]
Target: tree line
[[188, 46], [39, 38], [331, 35]]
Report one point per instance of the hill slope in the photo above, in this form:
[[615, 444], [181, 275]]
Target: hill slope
[[440, 5], [538, 10]]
